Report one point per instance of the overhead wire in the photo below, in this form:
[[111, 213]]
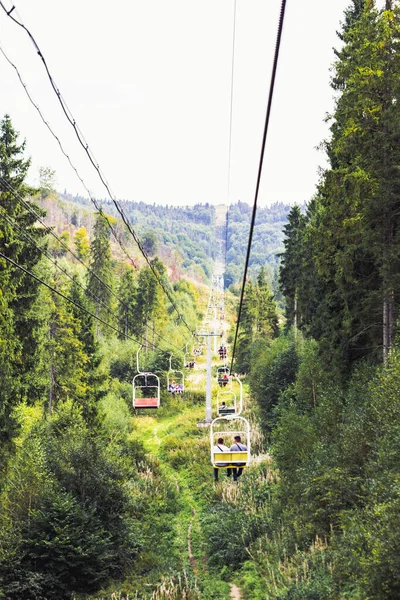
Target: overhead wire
[[230, 126], [93, 161], [47, 254], [79, 306], [93, 200], [74, 168], [49, 230], [260, 166]]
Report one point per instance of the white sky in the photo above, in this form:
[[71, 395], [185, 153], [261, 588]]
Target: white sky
[[148, 82]]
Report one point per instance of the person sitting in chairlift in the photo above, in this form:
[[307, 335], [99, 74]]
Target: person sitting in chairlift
[[238, 446], [219, 447], [225, 379]]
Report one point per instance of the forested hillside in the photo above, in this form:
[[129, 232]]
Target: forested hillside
[[267, 241], [185, 237], [327, 388], [291, 490]]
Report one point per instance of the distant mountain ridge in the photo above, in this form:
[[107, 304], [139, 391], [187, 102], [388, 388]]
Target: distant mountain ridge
[[187, 235]]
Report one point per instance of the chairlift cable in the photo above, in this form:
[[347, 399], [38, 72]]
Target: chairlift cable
[[74, 168], [93, 161], [47, 254], [266, 126], [50, 230], [82, 308], [230, 125]]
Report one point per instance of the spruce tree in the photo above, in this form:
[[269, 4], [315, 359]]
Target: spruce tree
[[291, 270], [267, 316], [353, 234], [21, 327], [101, 264]]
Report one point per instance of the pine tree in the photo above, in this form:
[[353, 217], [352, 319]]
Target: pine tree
[[101, 264], [291, 269], [353, 234], [127, 307], [267, 316], [21, 327], [146, 301], [69, 363], [247, 327]]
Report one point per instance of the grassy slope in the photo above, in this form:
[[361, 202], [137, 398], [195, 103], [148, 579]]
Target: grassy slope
[[182, 450]]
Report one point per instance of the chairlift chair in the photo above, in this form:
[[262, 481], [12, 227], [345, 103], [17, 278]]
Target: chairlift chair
[[229, 398], [175, 380], [223, 375], [227, 428], [146, 388], [226, 403], [189, 361]]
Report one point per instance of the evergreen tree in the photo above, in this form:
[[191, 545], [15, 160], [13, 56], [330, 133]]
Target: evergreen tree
[[146, 301], [350, 286], [20, 327], [247, 326], [267, 317], [69, 363], [127, 307], [101, 264], [291, 264]]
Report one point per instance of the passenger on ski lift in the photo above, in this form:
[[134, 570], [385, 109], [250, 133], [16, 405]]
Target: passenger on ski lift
[[225, 380], [219, 447], [238, 446]]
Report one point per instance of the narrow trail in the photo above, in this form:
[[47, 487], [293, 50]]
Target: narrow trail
[[235, 592], [192, 559]]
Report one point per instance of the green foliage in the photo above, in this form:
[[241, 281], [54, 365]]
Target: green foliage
[[342, 263], [258, 320], [101, 265], [274, 368], [21, 327], [149, 243], [266, 245], [82, 244], [290, 271]]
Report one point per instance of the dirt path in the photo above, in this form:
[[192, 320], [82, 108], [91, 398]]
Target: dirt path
[[235, 592], [192, 559]]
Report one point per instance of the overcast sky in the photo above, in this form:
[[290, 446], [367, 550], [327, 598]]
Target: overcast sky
[[149, 83]]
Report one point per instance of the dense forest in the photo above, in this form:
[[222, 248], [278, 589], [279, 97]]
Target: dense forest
[[102, 502], [185, 237]]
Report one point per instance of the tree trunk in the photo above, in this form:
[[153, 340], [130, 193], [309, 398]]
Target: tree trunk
[[385, 330], [51, 369], [388, 323], [295, 316]]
